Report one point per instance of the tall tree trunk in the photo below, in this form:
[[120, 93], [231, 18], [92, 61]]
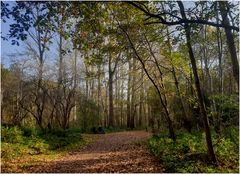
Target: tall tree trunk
[[110, 91], [60, 68], [219, 43], [99, 94], [75, 85], [133, 97], [220, 70], [141, 114], [122, 99], [206, 64], [91, 82], [230, 40], [87, 81], [198, 88], [60, 79], [117, 93], [40, 97], [129, 94]]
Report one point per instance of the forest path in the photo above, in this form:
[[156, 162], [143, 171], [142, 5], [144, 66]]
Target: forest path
[[113, 152]]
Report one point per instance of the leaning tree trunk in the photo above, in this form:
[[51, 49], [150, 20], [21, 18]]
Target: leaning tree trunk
[[162, 97], [169, 121], [198, 88]]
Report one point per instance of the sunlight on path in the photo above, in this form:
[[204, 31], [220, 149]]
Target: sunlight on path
[[114, 152]]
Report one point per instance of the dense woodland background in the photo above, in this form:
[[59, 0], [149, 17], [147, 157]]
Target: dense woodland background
[[158, 66]]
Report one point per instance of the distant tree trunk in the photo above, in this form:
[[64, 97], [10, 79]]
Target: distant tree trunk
[[219, 43], [198, 88], [169, 121], [206, 64], [99, 93], [110, 91], [117, 97], [122, 115], [129, 94], [106, 121], [133, 97], [19, 114], [141, 107], [60, 68], [186, 121], [75, 85], [148, 108], [86, 82], [40, 94], [220, 70], [59, 96], [91, 82]]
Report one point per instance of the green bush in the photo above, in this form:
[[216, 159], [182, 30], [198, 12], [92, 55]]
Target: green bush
[[22, 141], [233, 134], [58, 132], [37, 146], [28, 132], [113, 129], [188, 154], [227, 106], [11, 135], [59, 138]]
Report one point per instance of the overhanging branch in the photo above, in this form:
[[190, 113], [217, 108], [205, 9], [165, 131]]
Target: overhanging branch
[[180, 21]]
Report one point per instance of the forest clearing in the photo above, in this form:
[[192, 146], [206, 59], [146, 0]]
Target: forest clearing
[[123, 87]]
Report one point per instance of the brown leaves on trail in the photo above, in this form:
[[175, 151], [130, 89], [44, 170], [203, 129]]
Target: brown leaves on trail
[[115, 152]]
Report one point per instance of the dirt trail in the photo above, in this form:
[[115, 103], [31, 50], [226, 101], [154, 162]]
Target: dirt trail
[[115, 152]]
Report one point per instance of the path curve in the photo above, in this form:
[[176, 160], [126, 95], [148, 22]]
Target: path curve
[[114, 152]]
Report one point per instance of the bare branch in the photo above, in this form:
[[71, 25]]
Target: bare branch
[[180, 21]]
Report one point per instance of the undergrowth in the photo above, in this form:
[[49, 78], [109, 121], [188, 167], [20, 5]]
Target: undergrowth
[[188, 154], [23, 143], [113, 129]]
